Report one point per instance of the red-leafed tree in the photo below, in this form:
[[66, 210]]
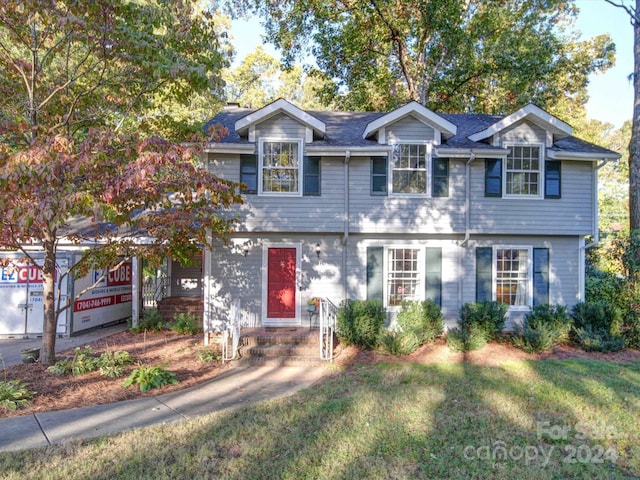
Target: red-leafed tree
[[76, 80]]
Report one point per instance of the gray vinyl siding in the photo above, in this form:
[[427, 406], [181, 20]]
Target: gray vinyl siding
[[280, 126], [224, 165], [357, 268], [521, 132], [564, 265], [238, 277], [408, 214], [409, 128], [269, 213], [570, 215]]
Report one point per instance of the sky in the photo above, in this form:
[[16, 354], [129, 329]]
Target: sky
[[610, 94]]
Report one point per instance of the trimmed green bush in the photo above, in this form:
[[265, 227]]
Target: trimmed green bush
[[359, 322], [598, 340], [533, 339], [489, 316], [471, 337], [599, 315], [543, 328], [422, 319], [398, 343], [597, 327]]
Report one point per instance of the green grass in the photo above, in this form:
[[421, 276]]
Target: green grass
[[383, 421]]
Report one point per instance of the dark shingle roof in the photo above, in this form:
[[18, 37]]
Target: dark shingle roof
[[344, 129]]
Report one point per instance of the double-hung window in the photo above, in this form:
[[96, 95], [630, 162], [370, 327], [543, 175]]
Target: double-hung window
[[409, 167], [513, 276], [523, 170], [404, 273], [280, 166]]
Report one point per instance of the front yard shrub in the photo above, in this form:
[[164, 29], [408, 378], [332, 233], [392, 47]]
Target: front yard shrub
[[359, 322], [418, 323], [489, 316], [465, 339], [597, 326], [422, 319], [151, 321], [598, 340], [542, 328], [185, 324], [631, 330], [148, 377], [14, 394], [477, 323]]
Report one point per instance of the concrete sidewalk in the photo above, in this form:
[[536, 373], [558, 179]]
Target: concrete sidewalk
[[235, 387]]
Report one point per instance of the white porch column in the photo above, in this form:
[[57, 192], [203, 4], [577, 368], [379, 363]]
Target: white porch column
[[136, 282]]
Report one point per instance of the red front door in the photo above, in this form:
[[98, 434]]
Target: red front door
[[281, 284]]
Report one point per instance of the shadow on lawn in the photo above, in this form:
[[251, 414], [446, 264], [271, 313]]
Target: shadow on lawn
[[389, 420]]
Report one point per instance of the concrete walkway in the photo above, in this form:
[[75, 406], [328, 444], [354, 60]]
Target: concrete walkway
[[235, 387]]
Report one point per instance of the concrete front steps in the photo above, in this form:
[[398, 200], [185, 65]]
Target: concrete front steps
[[284, 346]]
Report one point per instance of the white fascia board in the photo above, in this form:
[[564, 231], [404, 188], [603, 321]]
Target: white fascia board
[[466, 152], [420, 111], [276, 107], [589, 157], [341, 151], [230, 148], [545, 120]]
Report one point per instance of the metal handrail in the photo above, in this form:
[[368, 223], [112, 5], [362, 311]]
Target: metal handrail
[[327, 318], [231, 333]]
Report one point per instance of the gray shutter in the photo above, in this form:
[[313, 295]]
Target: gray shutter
[[493, 178], [540, 276], [311, 173], [375, 259], [379, 169], [440, 177], [433, 274], [552, 179], [484, 273], [249, 173]]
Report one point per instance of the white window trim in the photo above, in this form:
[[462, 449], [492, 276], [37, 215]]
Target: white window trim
[[300, 143], [385, 273], [540, 194], [494, 279], [429, 153]]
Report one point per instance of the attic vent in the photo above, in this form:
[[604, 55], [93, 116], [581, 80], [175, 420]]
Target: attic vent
[[231, 105]]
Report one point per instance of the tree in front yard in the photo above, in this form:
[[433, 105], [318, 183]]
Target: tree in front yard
[[76, 79]]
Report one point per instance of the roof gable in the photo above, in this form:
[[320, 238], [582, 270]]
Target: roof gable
[[417, 110], [532, 112], [274, 108]]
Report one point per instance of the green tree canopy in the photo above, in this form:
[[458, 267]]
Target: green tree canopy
[[450, 55], [260, 79]]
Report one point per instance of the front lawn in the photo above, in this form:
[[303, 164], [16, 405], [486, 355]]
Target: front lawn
[[525, 419]]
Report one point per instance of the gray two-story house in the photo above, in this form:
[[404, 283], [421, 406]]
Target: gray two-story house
[[401, 205]]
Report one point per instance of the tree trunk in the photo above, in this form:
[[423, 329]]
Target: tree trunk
[[634, 145], [48, 354]]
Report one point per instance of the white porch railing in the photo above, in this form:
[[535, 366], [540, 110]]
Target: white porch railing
[[327, 317], [231, 333]]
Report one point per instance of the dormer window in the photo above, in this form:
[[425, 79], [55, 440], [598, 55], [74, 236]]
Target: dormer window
[[280, 163], [409, 166], [523, 170]]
